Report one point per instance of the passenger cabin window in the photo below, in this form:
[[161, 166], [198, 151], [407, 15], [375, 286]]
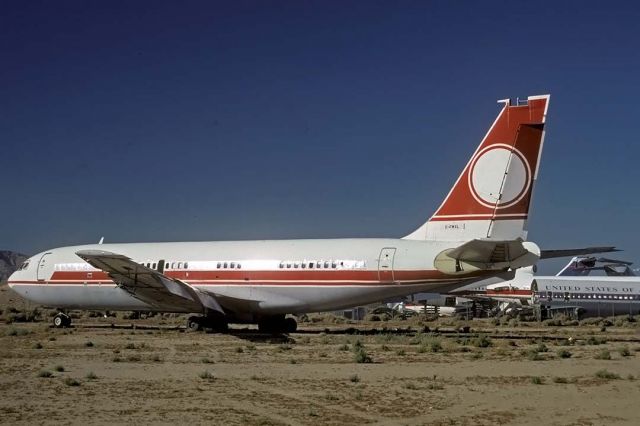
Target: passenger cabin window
[[310, 265], [225, 265], [218, 265], [153, 265]]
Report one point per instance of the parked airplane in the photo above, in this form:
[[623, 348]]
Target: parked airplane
[[576, 292], [573, 291], [477, 232]]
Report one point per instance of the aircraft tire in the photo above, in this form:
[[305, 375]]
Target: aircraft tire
[[278, 324], [290, 325], [194, 324], [61, 320], [216, 326]]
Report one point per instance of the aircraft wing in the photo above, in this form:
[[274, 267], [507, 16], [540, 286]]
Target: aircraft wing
[[549, 254], [149, 285]]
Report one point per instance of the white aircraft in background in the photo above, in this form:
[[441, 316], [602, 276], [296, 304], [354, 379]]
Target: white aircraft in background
[[578, 292], [477, 232], [573, 290]]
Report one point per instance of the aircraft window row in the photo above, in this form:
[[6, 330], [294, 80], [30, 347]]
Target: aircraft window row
[[167, 265], [550, 295], [228, 265], [73, 267], [605, 296], [320, 264], [185, 265]]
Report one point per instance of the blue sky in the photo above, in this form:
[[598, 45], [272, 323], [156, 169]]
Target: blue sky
[[165, 121]]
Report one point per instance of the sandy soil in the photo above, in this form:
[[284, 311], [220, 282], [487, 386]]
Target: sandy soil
[[167, 376]]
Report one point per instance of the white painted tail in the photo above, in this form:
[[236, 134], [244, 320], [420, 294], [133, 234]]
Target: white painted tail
[[492, 195]]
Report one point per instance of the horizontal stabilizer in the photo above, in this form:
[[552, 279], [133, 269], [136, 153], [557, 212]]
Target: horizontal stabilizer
[[487, 255], [149, 285], [550, 254]]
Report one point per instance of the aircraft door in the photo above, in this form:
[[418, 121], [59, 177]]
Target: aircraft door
[[41, 273], [385, 265]]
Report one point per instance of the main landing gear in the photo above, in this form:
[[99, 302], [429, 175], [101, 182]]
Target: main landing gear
[[208, 324], [61, 320], [277, 324]]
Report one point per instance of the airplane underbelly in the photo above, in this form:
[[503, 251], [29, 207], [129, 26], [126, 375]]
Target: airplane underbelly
[[292, 299], [79, 296]]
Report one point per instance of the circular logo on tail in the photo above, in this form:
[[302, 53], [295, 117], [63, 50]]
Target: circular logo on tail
[[488, 176]]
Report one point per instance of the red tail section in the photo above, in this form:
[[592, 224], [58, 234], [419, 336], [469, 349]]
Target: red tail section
[[492, 196]]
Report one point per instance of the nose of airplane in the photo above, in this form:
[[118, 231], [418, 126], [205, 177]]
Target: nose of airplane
[[12, 278], [19, 273]]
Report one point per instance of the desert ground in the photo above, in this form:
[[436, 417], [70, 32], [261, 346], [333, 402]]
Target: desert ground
[[150, 371]]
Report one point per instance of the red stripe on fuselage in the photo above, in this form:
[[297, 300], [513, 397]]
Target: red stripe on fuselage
[[245, 277]]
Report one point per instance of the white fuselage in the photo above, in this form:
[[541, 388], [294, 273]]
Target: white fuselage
[[596, 295], [249, 278]]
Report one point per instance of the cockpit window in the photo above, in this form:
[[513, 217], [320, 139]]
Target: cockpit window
[[24, 266]]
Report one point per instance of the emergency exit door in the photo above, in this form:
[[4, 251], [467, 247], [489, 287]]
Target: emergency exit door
[[385, 264]]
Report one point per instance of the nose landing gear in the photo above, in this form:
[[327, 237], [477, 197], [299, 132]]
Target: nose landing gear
[[61, 320]]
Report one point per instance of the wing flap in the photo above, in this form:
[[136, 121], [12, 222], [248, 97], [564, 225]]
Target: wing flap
[[149, 285]]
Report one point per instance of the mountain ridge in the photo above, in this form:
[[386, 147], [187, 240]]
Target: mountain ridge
[[9, 262]]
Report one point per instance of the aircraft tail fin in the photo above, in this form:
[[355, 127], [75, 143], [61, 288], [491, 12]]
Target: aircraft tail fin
[[578, 267], [492, 196]]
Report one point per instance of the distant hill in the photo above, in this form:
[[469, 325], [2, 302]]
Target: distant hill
[[9, 262]]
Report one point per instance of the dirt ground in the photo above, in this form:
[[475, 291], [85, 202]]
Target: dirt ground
[[534, 374]]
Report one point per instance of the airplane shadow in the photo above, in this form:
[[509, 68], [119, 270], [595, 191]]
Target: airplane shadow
[[255, 336]]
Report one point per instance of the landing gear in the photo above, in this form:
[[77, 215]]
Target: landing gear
[[194, 324], [61, 320], [277, 324], [216, 327], [290, 325], [208, 324]]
